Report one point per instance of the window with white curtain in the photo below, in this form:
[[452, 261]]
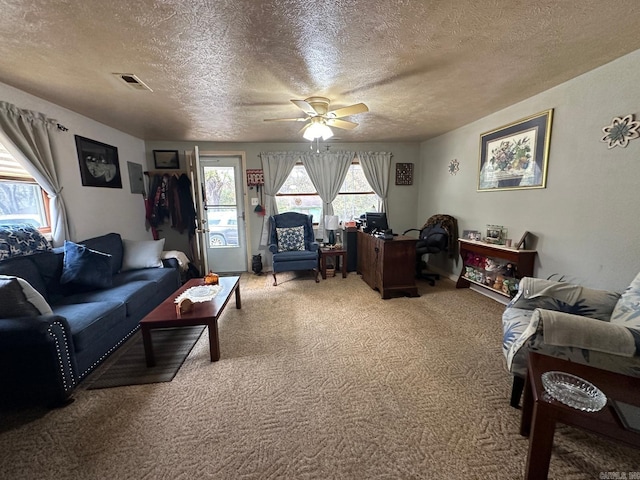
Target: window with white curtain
[[21, 198], [355, 198]]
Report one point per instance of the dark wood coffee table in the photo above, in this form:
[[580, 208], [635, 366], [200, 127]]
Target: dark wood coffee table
[[203, 313], [540, 412]]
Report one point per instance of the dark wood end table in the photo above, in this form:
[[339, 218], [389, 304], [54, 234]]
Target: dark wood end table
[[203, 313], [540, 412], [339, 254]]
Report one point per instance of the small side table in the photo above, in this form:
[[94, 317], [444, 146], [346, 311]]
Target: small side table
[[540, 413], [339, 255]]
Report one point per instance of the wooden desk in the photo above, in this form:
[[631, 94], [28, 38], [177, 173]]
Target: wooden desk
[[540, 412], [388, 266]]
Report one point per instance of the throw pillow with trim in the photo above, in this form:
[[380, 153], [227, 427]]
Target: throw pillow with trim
[[19, 299], [142, 254], [85, 267], [290, 238]]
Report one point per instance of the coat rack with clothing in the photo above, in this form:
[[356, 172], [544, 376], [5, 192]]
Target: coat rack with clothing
[[170, 200]]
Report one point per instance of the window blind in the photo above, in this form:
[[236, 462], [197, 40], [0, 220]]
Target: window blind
[[10, 169]]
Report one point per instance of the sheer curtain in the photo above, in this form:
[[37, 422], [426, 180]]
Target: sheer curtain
[[276, 167], [376, 167], [26, 135], [327, 172]]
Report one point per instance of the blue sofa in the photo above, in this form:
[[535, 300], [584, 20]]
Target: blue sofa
[[45, 357]]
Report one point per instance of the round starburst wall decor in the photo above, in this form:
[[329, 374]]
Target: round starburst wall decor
[[621, 131], [454, 167]]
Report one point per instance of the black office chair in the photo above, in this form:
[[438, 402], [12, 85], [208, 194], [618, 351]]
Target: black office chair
[[432, 239]]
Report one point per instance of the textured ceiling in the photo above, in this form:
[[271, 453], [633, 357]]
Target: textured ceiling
[[218, 68]]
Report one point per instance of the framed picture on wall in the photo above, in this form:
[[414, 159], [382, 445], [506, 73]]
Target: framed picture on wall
[[515, 156], [99, 165], [166, 159]]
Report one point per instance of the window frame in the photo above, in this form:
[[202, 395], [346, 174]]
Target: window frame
[[315, 193], [25, 177]]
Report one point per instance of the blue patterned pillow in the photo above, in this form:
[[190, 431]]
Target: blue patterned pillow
[[23, 239], [290, 238]]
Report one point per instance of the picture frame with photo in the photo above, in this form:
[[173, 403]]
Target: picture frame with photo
[[166, 159], [98, 162], [471, 235]]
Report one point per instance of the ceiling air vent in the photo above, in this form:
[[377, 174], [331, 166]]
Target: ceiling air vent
[[132, 81]]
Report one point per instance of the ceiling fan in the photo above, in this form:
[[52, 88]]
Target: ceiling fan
[[319, 118]]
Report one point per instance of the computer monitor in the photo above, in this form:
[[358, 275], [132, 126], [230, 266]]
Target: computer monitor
[[376, 221]]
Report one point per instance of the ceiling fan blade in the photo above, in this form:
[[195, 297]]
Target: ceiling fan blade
[[285, 119], [305, 107], [305, 127], [347, 125], [346, 111]]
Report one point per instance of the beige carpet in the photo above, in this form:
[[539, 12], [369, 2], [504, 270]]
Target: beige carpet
[[315, 381]]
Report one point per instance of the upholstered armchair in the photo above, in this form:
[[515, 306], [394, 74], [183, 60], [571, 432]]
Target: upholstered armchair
[[292, 243], [592, 327]]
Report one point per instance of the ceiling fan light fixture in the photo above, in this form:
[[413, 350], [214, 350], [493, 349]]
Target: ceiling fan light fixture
[[318, 130]]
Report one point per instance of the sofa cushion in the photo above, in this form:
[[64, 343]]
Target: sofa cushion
[[290, 238], [133, 294], [19, 299], [18, 240], [111, 243], [627, 310], [50, 265], [295, 255], [85, 267], [25, 268], [167, 280], [89, 322], [142, 254]]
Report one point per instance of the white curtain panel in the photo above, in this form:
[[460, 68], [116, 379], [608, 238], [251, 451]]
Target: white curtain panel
[[376, 167], [327, 172], [276, 167], [26, 135]]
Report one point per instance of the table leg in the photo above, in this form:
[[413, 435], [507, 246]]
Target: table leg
[[148, 346], [344, 265], [238, 300], [527, 408], [214, 343], [540, 443], [323, 266]]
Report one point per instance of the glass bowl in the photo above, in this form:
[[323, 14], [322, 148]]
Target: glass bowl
[[574, 391]]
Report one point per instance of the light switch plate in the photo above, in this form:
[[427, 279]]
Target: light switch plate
[[254, 202]]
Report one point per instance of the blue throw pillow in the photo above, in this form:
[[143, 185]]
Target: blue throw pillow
[[290, 238], [85, 267]]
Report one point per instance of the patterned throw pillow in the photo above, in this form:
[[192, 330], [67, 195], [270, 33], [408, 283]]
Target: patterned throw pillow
[[290, 238], [627, 310], [23, 239]]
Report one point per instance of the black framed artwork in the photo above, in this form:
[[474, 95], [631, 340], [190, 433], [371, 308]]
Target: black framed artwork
[[98, 162], [166, 159], [404, 173]]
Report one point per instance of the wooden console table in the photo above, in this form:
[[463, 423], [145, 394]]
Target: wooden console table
[[486, 265], [388, 266]]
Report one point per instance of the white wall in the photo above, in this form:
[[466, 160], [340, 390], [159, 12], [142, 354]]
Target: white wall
[[402, 199], [92, 211], [586, 220]]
